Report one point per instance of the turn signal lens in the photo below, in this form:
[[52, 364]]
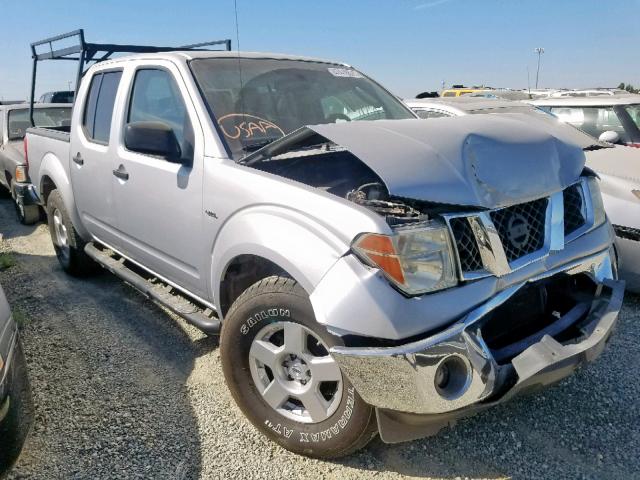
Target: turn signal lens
[[21, 174], [380, 252], [418, 259]]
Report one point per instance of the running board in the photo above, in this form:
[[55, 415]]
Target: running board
[[163, 294]]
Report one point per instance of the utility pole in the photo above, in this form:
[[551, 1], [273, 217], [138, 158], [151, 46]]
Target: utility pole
[[539, 51]]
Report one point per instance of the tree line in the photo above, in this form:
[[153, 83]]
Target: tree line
[[628, 87]]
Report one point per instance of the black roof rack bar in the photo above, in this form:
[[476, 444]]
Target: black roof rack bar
[[226, 43], [89, 52]]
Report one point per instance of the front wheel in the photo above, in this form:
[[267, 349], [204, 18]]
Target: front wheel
[[276, 361]]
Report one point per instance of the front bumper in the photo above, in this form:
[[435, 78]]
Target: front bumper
[[408, 378], [25, 194]]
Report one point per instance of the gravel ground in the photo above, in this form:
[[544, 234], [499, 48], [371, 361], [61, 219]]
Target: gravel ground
[[123, 390]]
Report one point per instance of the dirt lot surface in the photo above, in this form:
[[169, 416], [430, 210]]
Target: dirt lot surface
[[123, 390]]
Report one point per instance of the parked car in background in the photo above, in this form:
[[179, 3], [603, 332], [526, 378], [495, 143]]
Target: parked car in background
[[369, 272], [14, 171], [618, 167], [57, 97], [457, 91], [16, 406], [613, 118], [592, 92], [503, 93]]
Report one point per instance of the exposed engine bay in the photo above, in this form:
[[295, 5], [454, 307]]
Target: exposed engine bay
[[339, 172]]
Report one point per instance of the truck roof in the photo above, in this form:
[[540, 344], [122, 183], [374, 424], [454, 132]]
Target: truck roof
[[187, 55]]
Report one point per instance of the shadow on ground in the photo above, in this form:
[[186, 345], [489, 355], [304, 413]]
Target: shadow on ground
[[108, 372]]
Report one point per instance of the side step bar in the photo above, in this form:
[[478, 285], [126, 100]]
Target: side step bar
[[200, 317]]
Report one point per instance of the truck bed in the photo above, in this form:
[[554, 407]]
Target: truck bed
[[48, 149], [57, 133]]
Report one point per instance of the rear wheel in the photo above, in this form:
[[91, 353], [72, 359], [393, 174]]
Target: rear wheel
[[67, 243], [277, 364]]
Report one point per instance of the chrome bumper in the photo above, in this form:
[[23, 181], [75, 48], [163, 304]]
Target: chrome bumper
[[404, 378]]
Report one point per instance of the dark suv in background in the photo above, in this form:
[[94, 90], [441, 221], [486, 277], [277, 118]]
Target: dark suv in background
[[57, 97]]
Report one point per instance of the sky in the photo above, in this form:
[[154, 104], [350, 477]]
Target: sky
[[409, 46]]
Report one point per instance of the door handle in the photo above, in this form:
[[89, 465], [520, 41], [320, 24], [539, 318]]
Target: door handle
[[78, 159], [121, 173]]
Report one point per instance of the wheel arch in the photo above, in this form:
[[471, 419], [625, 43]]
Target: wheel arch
[[259, 244], [53, 176]]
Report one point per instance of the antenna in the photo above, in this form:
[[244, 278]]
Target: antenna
[[235, 7]]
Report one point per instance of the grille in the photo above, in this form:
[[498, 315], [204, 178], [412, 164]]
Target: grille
[[573, 209], [521, 228], [470, 260]]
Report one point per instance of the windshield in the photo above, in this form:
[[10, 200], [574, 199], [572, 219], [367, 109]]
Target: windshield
[[42, 117], [277, 97]]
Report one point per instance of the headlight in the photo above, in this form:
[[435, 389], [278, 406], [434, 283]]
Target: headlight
[[597, 206], [418, 259]]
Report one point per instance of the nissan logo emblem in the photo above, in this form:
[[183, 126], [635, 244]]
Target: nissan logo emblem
[[518, 231]]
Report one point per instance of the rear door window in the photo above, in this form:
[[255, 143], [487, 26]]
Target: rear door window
[[99, 106]]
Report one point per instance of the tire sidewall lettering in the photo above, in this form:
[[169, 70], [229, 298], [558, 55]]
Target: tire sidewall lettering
[[326, 434], [257, 317]]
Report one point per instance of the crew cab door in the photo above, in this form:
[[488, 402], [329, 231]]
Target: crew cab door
[[91, 151], [159, 200]]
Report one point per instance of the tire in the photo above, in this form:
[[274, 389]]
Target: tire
[[27, 214], [67, 243], [340, 423]]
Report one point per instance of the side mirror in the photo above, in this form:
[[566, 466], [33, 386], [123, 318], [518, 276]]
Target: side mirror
[[153, 138], [609, 136]]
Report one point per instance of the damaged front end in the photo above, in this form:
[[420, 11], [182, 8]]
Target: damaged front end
[[498, 245], [527, 337]]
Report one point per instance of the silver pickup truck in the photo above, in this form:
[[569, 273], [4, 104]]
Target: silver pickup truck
[[370, 272]]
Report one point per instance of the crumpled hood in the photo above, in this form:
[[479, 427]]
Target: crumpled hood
[[482, 160]]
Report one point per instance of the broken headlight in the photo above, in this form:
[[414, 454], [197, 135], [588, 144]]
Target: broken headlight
[[417, 258]]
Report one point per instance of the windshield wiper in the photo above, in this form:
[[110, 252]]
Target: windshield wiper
[[252, 147]]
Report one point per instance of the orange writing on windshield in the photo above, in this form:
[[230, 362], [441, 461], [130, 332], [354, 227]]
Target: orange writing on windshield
[[240, 126]]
